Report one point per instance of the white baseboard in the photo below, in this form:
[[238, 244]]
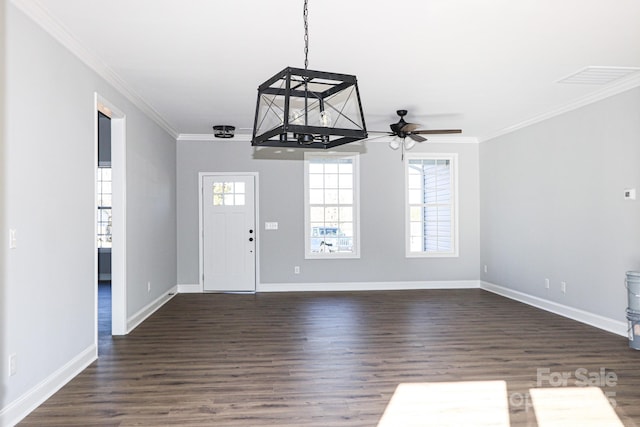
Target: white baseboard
[[151, 308], [610, 325], [190, 289], [366, 286], [15, 411]]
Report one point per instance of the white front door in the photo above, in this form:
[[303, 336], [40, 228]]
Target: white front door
[[229, 233]]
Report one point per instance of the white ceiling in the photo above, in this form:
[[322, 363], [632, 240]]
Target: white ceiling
[[486, 66]]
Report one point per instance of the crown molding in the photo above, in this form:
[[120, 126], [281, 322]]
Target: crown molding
[[41, 17], [431, 139], [247, 138], [209, 137], [623, 85], [451, 140]]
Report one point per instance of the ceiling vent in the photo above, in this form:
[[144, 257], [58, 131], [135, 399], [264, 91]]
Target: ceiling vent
[[598, 75]]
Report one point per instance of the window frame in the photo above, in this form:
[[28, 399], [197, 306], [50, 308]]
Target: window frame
[[453, 163], [355, 161], [104, 240]]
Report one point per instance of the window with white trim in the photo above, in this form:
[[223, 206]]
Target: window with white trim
[[104, 207], [431, 194], [331, 189]]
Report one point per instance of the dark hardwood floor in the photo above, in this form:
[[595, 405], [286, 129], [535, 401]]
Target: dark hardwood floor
[[104, 309], [330, 359]]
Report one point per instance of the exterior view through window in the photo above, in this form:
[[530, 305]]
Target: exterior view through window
[[331, 208], [104, 207], [431, 205], [229, 194]]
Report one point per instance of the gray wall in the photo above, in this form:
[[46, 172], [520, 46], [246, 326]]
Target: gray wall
[[151, 211], [47, 194], [3, 204], [282, 200], [552, 206]]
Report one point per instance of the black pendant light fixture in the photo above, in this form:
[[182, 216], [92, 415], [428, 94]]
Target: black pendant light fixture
[[308, 109]]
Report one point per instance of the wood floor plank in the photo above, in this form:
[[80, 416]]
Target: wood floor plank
[[330, 359]]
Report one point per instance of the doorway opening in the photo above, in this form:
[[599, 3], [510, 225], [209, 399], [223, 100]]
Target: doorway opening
[[110, 260], [104, 226]]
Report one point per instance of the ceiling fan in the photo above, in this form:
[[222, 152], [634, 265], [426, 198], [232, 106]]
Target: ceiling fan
[[402, 129]]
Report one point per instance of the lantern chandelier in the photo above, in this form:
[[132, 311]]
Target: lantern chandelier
[[308, 109]]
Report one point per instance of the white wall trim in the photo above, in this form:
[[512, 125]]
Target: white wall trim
[[42, 17], [348, 286], [610, 90], [246, 137], [435, 139], [149, 309], [119, 212], [15, 411], [190, 289], [455, 217], [238, 137], [610, 325], [355, 205], [366, 286]]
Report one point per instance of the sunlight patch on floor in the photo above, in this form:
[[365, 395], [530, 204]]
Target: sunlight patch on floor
[[485, 403], [469, 403], [575, 406]]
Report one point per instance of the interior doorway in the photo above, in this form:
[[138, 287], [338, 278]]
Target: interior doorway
[[110, 260], [104, 226]]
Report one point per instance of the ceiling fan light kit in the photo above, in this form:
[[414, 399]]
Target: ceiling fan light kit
[[308, 109], [401, 130]]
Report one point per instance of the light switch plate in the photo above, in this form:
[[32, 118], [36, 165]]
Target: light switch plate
[[270, 225], [13, 243], [629, 193]]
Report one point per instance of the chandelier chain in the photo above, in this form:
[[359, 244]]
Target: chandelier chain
[[305, 14]]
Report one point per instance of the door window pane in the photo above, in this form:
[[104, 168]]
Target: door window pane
[[229, 193]]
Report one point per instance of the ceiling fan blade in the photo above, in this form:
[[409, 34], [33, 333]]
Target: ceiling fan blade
[[416, 138], [436, 131], [410, 127]]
